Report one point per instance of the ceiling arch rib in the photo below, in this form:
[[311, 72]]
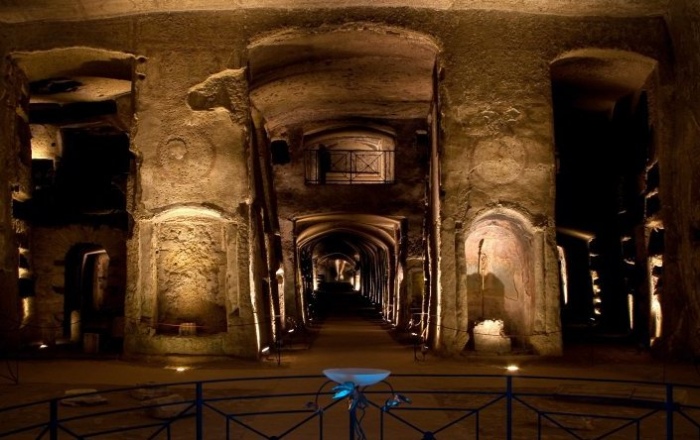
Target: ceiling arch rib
[[595, 79], [360, 239], [357, 71], [376, 236], [327, 220]]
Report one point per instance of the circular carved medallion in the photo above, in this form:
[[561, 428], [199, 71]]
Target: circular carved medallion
[[184, 160], [499, 160]]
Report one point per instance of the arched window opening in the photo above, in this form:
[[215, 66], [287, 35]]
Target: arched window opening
[[349, 157]]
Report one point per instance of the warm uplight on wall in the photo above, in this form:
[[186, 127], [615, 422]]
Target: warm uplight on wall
[[27, 307], [190, 211], [279, 276], [656, 317], [178, 368], [46, 141], [339, 268], [75, 329], [630, 309], [655, 273], [564, 274], [596, 292]]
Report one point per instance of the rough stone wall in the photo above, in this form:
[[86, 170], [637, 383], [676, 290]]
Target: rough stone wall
[[679, 189], [191, 137], [191, 275], [191, 269], [495, 96], [11, 119], [498, 139]]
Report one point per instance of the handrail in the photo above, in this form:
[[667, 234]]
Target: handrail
[[453, 405]]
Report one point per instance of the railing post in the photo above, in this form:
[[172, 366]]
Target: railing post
[[509, 407], [669, 411], [199, 405], [320, 426], [477, 423], [353, 420], [53, 419], [381, 424]]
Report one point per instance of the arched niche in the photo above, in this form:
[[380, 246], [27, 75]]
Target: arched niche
[[89, 304], [189, 297], [500, 274], [190, 265]]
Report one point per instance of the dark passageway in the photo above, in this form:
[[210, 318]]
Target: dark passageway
[[350, 332]]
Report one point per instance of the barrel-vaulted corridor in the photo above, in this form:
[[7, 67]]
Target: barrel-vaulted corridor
[[350, 332], [493, 176]]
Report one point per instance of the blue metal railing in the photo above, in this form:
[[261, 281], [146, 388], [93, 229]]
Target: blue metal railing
[[445, 406]]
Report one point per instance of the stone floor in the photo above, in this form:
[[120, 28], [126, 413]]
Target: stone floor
[[346, 339]]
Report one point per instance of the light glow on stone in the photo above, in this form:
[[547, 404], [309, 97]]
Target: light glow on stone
[[654, 267], [564, 272], [630, 308], [178, 368], [27, 306]]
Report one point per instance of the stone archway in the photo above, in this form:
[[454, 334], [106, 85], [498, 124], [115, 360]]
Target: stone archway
[[501, 287], [608, 192], [88, 305]]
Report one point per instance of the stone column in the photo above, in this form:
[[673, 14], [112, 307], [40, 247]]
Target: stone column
[[193, 242]]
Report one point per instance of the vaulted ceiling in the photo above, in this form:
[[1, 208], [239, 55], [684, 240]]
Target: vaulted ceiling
[[32, 10], [364, 72]]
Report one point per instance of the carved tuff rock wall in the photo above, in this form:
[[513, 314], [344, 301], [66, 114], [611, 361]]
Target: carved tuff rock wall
[[467, 90], [682, 306], [189, 298], [189, 290]]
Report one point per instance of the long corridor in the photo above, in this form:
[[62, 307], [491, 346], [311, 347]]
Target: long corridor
[[351, 333]]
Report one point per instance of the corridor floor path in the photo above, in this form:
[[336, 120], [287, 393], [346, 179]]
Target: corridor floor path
[[348, 335], [352, 335]]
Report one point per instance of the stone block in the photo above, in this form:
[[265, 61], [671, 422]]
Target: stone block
[[489, 337]]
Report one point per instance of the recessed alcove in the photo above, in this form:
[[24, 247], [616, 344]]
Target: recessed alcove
[[189, 299], [500, 275]]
